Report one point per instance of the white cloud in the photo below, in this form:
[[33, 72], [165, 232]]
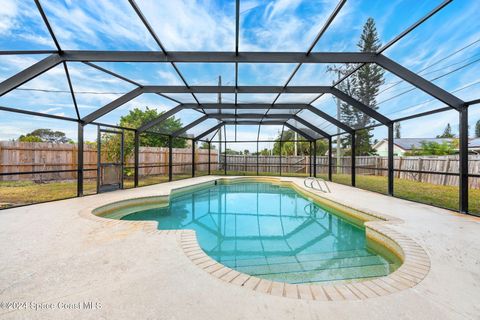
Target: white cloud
[[191, 24], [8, 15], [49, 110], [247, 5], [23, 125], [170, 78], [279, 7], [10, 64], [42, 40], [97, 24]]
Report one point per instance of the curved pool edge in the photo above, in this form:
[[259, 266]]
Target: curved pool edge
[[414, 268]]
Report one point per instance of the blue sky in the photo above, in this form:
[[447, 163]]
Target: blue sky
[[447, 42]]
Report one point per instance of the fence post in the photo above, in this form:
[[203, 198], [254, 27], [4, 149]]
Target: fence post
[[315, 158], [352, 170], [80, 161], [170, 158], [390, 159], [2, 170], [209, 153], [136, 158], [463, 159], [446, 169], [330, 159], [280, 159], [257, 157], [193, 158], [420, 168], [244, 164]]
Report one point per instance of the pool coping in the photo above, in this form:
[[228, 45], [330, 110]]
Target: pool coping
[[414, 268]]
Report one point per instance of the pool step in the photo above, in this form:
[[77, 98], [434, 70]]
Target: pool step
[[327, 275], [246, 261], [294, 266], [317, 268]]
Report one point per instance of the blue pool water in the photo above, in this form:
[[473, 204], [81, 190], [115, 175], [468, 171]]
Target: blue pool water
[[271, 232]]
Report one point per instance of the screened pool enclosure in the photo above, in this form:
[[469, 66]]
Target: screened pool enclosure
[[232, 110]]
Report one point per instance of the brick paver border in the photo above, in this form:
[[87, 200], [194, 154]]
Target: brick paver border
[[414, 268]]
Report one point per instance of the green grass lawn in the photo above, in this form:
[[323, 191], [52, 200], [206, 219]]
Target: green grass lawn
[[14, 193], [442, 196]]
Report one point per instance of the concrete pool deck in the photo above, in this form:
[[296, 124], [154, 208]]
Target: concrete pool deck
[[55, 258]]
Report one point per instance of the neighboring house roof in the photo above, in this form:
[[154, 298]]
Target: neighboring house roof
[[410, 143], [474, 143]]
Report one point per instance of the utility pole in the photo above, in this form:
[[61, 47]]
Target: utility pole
[[295, 144]]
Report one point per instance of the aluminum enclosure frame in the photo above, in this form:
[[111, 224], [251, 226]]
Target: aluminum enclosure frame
[[236, 57]]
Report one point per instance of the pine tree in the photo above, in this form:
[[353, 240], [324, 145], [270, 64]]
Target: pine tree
[[447, 133], [364, 86], [398, 133], [477, 129]]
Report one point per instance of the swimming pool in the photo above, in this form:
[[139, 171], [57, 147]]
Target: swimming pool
[[271, 232]]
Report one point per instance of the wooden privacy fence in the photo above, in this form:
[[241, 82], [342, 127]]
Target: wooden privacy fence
[[270, 164], [365, 165], [154, 161], [41, 156]]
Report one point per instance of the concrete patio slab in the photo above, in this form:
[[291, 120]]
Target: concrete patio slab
[[70, 267]]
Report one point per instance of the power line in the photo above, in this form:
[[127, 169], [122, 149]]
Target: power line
[[89, 92], [436, 78], [430, 100], [397, 82], [424, 102], [436, 63], [427, 73], [66, 91]]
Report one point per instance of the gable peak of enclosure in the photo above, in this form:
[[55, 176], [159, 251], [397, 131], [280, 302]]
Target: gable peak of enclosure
[[206, 110]]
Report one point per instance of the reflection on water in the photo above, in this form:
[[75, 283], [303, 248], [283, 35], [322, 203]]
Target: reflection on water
[[271, 232]]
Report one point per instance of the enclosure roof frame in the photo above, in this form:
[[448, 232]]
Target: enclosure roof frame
[[88, 57]]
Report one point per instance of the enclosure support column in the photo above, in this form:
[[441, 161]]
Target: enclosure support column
[[170, 158], [330, 164], [80, 161], [99, 158], [225, 158], [122, 158], [353, 158], [390, 159], [209, 153], [315, 158], [193, 158], [463, 159], [280, 156], [310, 159], [136, 158], [257, 156]]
